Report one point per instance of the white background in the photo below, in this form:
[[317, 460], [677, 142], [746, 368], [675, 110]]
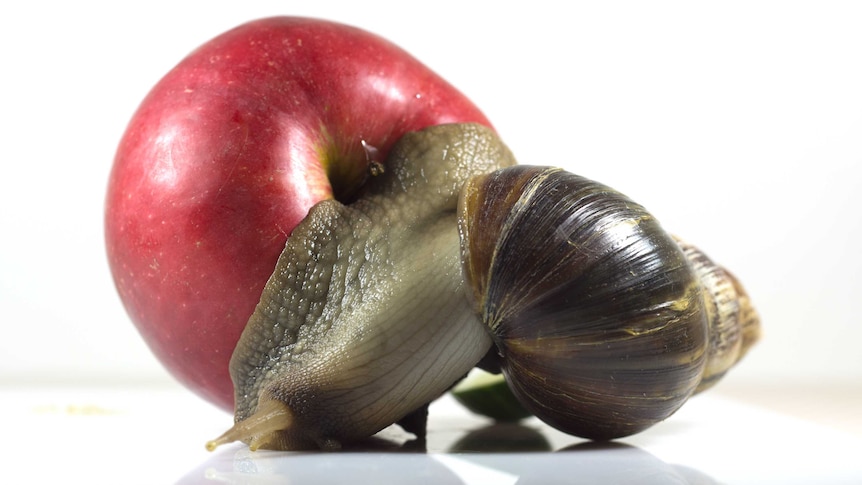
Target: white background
[[739, 124]]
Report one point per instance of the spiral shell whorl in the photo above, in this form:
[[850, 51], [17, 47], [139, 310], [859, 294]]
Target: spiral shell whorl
[[734, 325], [597, 316]]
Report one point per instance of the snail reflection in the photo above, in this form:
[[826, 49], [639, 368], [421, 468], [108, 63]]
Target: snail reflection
[[518, 451], [514, 453]]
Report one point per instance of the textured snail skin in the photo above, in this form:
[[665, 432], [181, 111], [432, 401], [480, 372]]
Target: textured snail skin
[[365, 318], [598, 318]]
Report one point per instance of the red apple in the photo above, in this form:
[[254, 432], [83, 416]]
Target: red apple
[[226, 155]]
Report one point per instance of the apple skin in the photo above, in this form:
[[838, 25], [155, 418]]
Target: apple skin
[[226, 155]]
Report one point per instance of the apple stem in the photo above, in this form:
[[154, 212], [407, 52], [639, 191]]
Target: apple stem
[[258, 429], [372, 153], [372, 158]]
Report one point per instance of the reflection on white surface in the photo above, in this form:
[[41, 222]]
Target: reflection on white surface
[[585, 463], [153, 436]]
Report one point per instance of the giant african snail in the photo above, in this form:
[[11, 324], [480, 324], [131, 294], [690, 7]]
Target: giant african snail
[[602, 323]]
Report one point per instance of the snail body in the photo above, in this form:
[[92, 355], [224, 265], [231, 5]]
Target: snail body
[[597, 317], [364, 320]]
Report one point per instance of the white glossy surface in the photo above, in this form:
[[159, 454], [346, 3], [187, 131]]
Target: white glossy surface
[[156, 435]]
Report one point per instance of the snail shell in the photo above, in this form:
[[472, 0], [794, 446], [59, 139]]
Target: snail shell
[[599, 319], [734, 325]]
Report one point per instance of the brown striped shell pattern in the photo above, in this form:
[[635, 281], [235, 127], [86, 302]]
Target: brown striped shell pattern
[[602, 322]]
